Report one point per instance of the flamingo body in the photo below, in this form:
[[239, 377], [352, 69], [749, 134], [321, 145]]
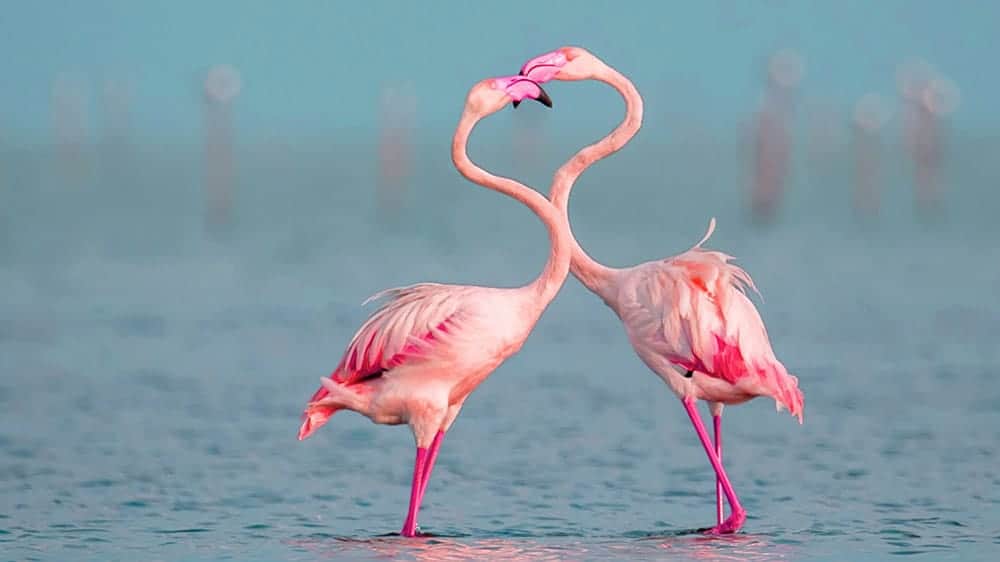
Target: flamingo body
[[423, 351], [692, 311]]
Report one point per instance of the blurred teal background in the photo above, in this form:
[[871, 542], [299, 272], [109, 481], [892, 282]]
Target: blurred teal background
[[312, 67], [177, 273]]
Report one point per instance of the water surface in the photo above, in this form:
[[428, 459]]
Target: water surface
[[152, 375]]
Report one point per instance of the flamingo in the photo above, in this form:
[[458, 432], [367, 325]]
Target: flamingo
[[419, 356], [689, 311]]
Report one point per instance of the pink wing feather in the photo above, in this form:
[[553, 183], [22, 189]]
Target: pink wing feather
[[697, 303], [404, 328], [412, 325]]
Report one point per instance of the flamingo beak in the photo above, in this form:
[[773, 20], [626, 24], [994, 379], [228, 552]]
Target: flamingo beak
[[543, 98]]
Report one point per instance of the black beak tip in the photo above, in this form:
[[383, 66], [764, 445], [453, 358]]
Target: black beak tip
[[516, 103], [544, 98]]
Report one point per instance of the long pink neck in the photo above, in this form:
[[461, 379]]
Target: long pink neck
[[557, 267], [592, 274]]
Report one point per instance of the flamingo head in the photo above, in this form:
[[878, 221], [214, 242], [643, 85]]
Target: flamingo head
[[566, 63], [492, 94]]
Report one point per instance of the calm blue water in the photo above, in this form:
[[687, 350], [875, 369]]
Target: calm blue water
[[151, 376]]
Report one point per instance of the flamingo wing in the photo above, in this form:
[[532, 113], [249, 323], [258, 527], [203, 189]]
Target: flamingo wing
[[710, 316], [676, 305], [413, 323], [693, 310]]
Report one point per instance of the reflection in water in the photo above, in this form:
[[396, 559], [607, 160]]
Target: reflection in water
[[435, 549], [731, 547], [687, 544]]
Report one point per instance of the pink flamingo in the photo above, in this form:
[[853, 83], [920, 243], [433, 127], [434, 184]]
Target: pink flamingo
[[689, 311], [421, 354]]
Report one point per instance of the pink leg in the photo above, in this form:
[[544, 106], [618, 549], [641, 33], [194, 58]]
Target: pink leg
[[431, 457], [410, 525], [717, 422], [738, 515]]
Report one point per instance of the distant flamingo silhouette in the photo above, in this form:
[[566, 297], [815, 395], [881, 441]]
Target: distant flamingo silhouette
[[421, 354], [689, 311]]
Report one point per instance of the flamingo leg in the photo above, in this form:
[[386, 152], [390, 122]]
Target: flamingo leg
[[410, 525], [719, 512], [429, 467], [738, 515]]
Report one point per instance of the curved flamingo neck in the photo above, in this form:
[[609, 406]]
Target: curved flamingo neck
[[557, 267], [594, 275]]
